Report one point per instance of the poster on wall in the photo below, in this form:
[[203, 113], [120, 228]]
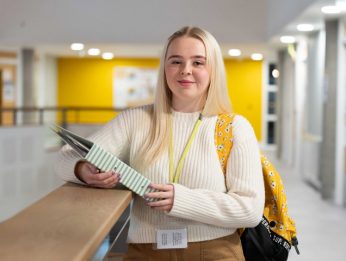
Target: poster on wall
[[8, 86], [133, 86]]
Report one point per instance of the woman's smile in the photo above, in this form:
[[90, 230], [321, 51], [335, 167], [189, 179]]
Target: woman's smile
[[185, 83]]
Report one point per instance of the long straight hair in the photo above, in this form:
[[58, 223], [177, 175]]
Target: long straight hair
[[217, 101]]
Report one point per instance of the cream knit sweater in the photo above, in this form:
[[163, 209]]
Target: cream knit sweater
[[203, 203]]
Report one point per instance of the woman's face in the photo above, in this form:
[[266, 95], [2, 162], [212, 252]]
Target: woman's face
[[187, 74]]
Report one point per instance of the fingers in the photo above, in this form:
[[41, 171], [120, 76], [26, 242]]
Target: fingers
[[165, 204], [163, 187], [165, 197], [159, 195], [104, 179]]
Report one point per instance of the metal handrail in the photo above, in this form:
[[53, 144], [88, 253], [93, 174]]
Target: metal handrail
[[64, 110]]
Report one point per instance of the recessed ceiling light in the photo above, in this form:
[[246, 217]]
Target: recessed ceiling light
[[330, 9], [256, 56], [77, 46], [305, 27], [107, 56], [234, 52], [287, 39], [94, 51]]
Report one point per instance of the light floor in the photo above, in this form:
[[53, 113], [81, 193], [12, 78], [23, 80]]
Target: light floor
[[321, 226]]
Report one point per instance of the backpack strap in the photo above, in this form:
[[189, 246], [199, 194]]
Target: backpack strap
[[224, 137]]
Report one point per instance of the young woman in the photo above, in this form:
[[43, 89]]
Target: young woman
[[198, 205]]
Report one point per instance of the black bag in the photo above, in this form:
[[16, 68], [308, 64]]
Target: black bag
[[262, 244]]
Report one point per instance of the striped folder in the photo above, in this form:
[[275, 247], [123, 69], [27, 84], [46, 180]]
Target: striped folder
[[106, 161]]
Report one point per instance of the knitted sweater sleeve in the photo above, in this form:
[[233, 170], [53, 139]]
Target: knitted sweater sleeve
[[111, 137], [242, 205]]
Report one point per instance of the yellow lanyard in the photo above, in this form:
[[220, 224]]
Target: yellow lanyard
[[175, 176]]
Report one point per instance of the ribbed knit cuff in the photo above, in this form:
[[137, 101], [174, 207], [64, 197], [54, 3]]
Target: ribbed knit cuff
[[181, 207]]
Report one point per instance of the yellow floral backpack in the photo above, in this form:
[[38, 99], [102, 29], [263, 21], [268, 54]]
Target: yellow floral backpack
[[273, 237]]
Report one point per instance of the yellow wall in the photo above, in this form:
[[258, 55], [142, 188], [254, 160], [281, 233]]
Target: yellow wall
[[88, 82], [244, 80]]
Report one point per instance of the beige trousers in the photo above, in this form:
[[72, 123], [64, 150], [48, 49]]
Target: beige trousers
[[226, 249]]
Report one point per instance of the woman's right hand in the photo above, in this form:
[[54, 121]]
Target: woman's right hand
[[90, 175]]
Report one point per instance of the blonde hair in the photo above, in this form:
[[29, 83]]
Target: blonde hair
[[217, 101]]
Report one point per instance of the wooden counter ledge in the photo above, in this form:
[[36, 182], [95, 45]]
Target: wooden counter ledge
[[68, 224]]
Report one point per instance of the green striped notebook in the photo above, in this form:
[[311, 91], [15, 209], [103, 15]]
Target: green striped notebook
[[130, 178]]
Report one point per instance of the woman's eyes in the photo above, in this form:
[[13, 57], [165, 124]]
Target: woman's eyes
[[195, 63]]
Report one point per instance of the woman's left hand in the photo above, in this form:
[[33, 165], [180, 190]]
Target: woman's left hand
[[165, 194]]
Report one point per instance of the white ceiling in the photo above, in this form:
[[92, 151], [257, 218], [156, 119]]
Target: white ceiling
[[128, 21], [140, 27]]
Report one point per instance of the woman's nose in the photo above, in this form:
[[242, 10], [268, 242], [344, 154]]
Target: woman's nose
[[186, 69]]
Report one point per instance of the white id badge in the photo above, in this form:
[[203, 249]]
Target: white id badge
[[171, 238]]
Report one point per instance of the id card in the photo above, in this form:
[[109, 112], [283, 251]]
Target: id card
[[171, 238]]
